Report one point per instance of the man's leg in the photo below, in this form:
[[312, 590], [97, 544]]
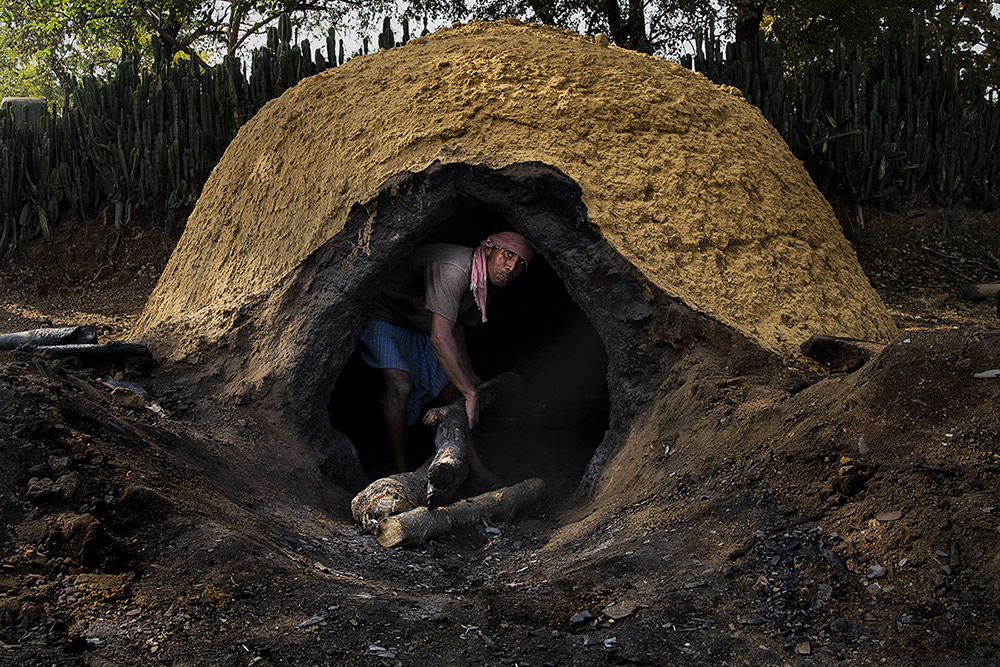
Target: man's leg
[[397, 395]]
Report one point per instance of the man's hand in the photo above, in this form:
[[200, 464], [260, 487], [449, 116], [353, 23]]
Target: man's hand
[[448, 341], [472, 409]]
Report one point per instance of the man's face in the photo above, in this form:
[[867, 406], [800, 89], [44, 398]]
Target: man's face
[[503, 265]]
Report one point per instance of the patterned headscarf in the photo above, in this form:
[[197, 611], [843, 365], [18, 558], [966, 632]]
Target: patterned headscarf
[[508, 240]]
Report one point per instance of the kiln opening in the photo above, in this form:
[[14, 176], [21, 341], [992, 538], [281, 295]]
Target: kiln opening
[[552, 426]]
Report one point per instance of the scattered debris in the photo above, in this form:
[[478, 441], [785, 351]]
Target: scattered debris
[[38, 488], [127, 398], [382, 652], [133, 387], [311, 621], [621, 610]]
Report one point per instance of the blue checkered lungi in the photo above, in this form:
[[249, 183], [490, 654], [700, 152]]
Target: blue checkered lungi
[[385, 345]]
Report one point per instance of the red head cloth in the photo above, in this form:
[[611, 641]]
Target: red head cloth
[[509, 240]]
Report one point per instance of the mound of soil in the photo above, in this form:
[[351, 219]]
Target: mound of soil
[[684, 180], [801, 517], [91, 272]]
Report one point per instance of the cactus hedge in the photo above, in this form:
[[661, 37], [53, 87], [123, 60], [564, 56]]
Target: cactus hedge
[[897, 126], [893, 127], [144, 139]]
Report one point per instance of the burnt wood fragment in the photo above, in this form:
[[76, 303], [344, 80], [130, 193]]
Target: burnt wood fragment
[[86, 334], [115, 349], [980, 292]]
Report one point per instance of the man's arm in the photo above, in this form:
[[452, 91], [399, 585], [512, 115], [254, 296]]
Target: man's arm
[[448, 341]]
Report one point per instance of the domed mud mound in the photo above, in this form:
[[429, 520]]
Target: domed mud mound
[[684, 180], [671, 211]]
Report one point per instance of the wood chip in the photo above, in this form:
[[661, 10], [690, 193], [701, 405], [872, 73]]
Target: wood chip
[[620, 610]]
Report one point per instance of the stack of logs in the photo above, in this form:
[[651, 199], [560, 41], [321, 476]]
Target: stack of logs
[[410, 507]]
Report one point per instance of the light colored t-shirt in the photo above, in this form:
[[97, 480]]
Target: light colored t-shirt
[[434, 279]]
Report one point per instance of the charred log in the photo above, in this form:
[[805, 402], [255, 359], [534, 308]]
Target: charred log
[[390, 495], [981, 291], [449, 467], [405, 491], [115, 349], [86, 334]]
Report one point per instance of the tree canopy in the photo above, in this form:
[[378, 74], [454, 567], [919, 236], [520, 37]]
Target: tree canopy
[[46, 43], [968, 28], [806, 29]]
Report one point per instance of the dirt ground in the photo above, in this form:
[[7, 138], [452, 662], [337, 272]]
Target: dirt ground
[[806, 518]]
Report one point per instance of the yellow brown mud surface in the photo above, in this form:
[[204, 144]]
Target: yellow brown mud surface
[[682, 179], [792, 518]]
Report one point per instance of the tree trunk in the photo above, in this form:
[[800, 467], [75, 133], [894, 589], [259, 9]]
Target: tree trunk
[[637, 38], [237, 10], [749, 16], [167, 27], [630, 32], [421, 524]]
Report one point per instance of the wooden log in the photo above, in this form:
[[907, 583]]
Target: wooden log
[[85, 334], [404, 491], [840, 354], [449, 467], [390, 495], [421, 524], [489, 391], [112, 350], [980, 292]]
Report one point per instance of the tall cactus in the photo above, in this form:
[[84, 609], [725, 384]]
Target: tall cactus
[[885, 129], [386, 39], [144, 138]]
